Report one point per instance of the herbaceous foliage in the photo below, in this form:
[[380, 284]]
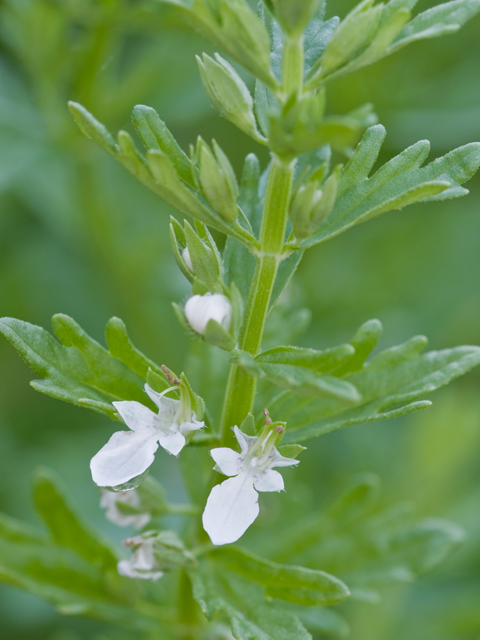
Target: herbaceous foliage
[[322, 179]]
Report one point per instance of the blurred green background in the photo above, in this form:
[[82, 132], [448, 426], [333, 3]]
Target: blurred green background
[[80, 236]]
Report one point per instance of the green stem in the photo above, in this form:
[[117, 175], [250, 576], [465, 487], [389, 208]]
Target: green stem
[[240, 394], [293, 65]]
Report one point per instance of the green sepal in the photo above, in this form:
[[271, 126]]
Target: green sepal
[[179, 244], [217, 180], [215, 334], [158, 382], [291, 450], [180, 313], [153, 500], [248, 425], [204, 261], [154, 134], [286, 582]]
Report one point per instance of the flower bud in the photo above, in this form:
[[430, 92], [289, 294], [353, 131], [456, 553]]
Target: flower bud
[[217, 180], [199, 310], [228, 93], [187, 259]]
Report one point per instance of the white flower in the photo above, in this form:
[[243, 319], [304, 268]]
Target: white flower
[[233, 505], [142, 563], [128, 454], [110, 501], [199, 310]]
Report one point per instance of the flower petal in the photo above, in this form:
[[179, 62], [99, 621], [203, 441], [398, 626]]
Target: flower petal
[[168, 405], [243, 440], [125, 456], [135, 415], [228, 461], [185, 427], [125, 568], [173, 442], [280, 461], [231, 508], [269, 480]]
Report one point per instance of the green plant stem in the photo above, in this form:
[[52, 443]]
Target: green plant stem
[[240, 394], [293, 65]]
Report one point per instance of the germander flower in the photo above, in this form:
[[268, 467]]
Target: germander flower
[[233, 505], [111, 501], [199, 310], [128, 454], [143, 563]]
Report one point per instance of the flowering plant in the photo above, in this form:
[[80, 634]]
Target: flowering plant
[[318, 184]]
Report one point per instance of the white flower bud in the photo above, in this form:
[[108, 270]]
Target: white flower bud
[[199, 310], [187, 259]]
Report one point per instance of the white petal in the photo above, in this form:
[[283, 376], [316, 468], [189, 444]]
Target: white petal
[[280, 461], [125, 568], [125, 456], [199, 310], [168, 405], [243, 440], [231, 508], [173, 442], [185, 427], [136, 416], [229, 461], [269, 480]]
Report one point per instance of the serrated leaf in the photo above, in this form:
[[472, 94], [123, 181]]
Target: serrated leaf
[[65, 525], [291, 583], [154, 134], [437, 21], [31, 561], [326, 360], [243, 605], [387, 392], [122, 348], [363, 342], [77, 369], [396, 184], [302, 380]]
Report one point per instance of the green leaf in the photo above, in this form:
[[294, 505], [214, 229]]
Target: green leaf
[[302, 380], [291, 583], [437, 21], [391, 387], [363, 342], [215, 334], [65, 525], [31, 561], [122, 348], [285, 273], [93, 129], [242, 604], [154, 134], [77, 369], [317, 35], [324, 622], [373, 544], [400, 182], [327, 360]]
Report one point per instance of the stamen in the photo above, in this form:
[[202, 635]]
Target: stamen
[[169, 375]]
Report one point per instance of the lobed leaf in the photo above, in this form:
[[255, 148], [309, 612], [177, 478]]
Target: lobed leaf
[[399, 182], [291, 583], [389, 388], [78, 369], [242, 604]]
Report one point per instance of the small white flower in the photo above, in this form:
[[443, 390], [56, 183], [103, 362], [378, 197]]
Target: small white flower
[[187, 259], [142, 563], [128, 454], [233, 505], [199, 310], [110, 501]]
